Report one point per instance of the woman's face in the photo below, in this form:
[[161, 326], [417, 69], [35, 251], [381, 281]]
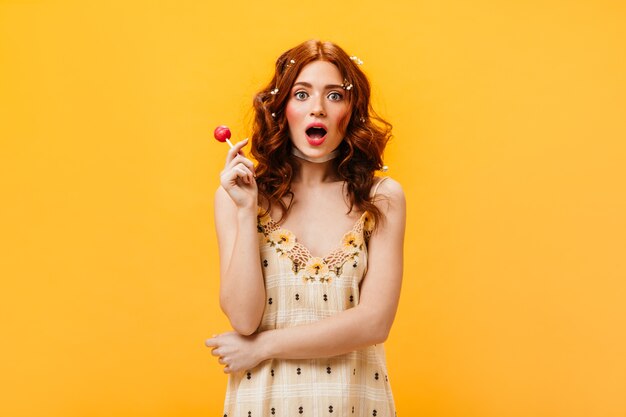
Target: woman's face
[[317, 109]]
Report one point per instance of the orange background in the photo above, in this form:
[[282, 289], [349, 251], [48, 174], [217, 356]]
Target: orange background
[[509, 141]]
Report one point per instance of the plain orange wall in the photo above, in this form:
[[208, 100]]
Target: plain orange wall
[[509, 141]]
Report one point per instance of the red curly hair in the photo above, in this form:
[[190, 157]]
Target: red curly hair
[[360, 152]]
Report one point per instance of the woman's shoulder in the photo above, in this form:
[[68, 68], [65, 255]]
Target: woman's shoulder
[[387, 187], [389, 199]]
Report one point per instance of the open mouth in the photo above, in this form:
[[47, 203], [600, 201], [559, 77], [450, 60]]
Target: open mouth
[[316, 132]]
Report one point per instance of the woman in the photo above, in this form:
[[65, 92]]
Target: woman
[[311, 246]]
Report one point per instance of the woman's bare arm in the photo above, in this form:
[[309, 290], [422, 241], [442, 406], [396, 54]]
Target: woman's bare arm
[[242, 291]]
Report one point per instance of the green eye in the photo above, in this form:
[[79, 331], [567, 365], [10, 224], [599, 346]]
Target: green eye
[[301, 95]]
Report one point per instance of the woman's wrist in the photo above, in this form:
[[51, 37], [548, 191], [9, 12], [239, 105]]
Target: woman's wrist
[[246, 213], [265, 346]]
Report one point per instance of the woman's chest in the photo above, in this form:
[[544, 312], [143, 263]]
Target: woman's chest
[[319, 228], [283, 253]]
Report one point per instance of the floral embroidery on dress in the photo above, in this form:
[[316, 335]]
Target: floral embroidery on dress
[[351, 242], [368, 222], [304, 265], [263, 217], [316, 270], [283, 240]]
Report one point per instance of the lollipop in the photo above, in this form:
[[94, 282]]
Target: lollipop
[[222, 134]]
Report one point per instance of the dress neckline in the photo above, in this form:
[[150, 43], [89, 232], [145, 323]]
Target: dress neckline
[[338, 248]]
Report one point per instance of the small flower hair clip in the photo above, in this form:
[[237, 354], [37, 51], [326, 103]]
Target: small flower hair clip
[[385, 168], [345, 85], [356, 60], [273, 115], [292, 61], [274, 91]]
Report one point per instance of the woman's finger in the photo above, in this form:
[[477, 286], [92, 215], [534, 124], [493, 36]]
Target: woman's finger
[[215, 351], [244, 173], [237, 161], [236, 150], [238, 171], [242, 160]]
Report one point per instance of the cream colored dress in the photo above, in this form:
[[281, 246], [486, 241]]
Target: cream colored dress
[[302, 289]]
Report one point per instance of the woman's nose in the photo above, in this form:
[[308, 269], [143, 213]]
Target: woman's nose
[[317, 108]]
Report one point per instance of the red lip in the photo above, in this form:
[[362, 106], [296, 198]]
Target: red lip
[[316, 141], [316, 124]]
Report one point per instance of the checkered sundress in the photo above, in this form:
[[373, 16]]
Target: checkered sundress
[[302, 289]]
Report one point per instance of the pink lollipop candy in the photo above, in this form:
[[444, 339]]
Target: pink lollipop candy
[[222, 134]]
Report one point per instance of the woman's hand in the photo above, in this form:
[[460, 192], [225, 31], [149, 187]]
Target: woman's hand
[[236, 352], [237, 177]]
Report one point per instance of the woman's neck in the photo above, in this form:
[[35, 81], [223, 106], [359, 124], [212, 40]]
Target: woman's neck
[[313, 173]]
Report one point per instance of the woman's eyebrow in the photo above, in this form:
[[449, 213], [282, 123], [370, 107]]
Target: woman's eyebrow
[[328, 87]]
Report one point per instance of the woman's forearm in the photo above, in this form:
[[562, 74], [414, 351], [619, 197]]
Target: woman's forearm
[[242, 291], [344, 332]]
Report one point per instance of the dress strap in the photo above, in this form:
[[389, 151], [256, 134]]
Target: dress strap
[[378, 185]]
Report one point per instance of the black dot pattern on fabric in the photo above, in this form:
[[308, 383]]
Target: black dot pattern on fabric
[[301, 292]]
